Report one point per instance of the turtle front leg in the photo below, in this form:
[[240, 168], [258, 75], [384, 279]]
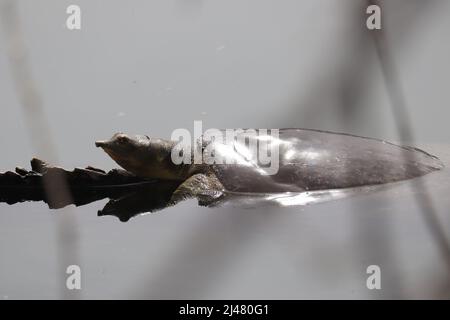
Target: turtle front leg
[[205, 187]]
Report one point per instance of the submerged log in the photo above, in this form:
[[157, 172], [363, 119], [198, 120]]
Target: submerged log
[[129, 195]]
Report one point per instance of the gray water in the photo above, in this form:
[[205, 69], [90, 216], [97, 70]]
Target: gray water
[[152, 67]]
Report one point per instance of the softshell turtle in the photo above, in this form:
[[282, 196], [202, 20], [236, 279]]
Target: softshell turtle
[[309, 160]]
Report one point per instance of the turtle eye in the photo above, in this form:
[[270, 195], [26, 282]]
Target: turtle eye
[[121, 139]]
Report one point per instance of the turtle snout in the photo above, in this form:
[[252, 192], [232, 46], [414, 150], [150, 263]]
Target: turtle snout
[[100, 143]]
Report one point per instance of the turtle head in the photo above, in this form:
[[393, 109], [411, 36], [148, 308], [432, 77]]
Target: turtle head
[[141, 155]]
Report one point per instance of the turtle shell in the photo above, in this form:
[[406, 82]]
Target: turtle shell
[[311, 160]]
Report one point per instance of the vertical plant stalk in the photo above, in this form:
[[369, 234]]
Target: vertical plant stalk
[[56, 188], [403, 123]]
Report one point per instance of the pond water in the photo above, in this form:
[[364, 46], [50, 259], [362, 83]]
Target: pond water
[[151, 68]]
